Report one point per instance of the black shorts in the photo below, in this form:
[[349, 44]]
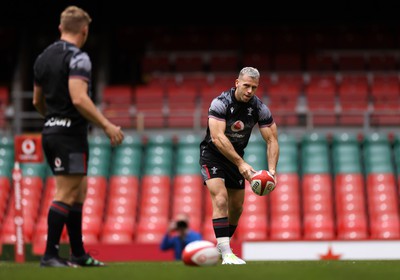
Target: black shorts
[[213, 166], [66, 154]]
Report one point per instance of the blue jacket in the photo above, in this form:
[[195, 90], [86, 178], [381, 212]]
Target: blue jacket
[[174, 242]]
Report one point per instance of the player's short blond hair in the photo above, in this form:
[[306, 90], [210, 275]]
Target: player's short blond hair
[[250, 71], [73, 19]]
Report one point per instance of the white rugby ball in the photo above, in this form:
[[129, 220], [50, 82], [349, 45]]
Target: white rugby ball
[[200, 253], [262, 182]]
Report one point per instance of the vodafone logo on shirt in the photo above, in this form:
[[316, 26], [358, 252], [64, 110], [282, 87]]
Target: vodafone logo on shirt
[[237, 126]]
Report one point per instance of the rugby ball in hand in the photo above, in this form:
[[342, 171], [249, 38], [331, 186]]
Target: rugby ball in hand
[[200, 253], [262, 183]]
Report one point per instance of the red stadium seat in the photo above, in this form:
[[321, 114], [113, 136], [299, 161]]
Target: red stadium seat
[[317, 184], [182, 101], [352, 226], [321, 99], [353, 93], [149, 101], [122, 196], [91, 226], [96, 187], [151, 229], [386, 226], [93, 206], [95, 196], [190, 205], [286, 198], [283, 100], [350, 202], [252, 227], [117, 95], [383, 206], [253, 204], [116, 104], [381, 188], [119, 224], [285, 226], [318, 208], [385, 94], [35, 184], [319, 227], [149, 237], [317, 203], [253, 224], [285, 218], [154, 201], [148, 181], [119, 115], [154, 207], [187, 197], [116, 238], [123, 185], [184, 180], [124, 206]]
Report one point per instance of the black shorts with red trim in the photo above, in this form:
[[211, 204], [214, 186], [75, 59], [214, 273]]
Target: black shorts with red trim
[[66, 154], [218, 166]]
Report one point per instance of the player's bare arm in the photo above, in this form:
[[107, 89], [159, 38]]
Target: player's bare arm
[[83, 103], [217, 131], [38, 100], [270, 135]]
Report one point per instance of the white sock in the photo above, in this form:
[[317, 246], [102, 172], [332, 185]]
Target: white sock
[[223, 245]]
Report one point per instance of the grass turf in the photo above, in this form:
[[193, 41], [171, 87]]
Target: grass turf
[[307, 270]]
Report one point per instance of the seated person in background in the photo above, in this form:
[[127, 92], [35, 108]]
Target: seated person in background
[[179, 235]]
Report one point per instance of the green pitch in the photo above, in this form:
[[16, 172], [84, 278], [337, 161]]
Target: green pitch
[[268, 270]]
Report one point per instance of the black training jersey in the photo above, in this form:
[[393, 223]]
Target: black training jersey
[[240, 118], [52, 69]]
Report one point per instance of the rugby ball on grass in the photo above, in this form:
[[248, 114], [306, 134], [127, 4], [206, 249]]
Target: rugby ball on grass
[[200, 253], [262, 182]]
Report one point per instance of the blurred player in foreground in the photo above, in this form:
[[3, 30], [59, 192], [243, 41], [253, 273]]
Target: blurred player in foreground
[[62, 95]]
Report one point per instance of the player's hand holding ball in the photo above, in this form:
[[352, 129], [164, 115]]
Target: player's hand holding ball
[[262, 182]]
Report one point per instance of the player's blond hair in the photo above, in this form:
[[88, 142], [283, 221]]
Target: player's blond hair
[[73, 19], [249, 71]]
